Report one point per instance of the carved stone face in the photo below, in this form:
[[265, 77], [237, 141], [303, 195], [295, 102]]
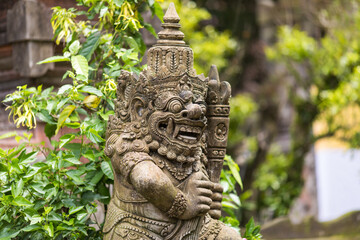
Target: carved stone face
[[178, 122]]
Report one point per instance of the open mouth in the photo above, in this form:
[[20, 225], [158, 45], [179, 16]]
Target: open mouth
[[181, 131]]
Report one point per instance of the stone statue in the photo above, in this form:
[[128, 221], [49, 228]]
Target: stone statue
[[167, 142]]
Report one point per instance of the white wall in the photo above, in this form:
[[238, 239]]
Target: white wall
[[338, 182]]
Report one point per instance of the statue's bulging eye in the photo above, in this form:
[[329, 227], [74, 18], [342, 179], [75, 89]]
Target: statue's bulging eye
[[175, 106]]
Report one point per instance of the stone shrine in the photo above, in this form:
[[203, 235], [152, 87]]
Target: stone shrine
[[167, 142]]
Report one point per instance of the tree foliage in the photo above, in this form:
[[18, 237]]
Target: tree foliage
[[209, 45], [325, 89]]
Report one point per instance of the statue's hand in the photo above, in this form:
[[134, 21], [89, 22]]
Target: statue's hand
[[198, 192], [215, 207]]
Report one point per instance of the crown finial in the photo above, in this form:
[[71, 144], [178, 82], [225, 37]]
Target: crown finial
[[171, 34], [171, 15]]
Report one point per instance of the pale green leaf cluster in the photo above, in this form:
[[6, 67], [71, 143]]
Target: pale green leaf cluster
[[209, 45], [332, 64]]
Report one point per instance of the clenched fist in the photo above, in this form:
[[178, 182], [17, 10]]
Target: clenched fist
[[198, 193], [216, 197]]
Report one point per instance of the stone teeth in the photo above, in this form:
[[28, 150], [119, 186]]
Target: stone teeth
[[170, 126], [176, 131]]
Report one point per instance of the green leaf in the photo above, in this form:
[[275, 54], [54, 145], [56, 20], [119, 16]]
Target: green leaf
[[21, 201], [72, 160], [64, 227], [74, 47], [96, 178], [157, 10], [150, 28], [91, 90], [54, 217], [91, 43], [61, 103], [73, 125], [65, 139], [35, 219], [47, 210], [50, 192], [140, 42], [106, 115], [39, 187], [94, 136], [75, 148], [80, 64], [151, 2], [54, 59], [235, 198], [28, 158], [44, 116], [64, 88], [81, 216], [234, 168], [103, 11], [8, 233], [119, 3], [75, 175], [3, 168], [31, 228], [229, 204], [50, 229], [16, 188], [75, 209], [8, 135], [63, 116], [132, 43], [249, 227], [50, 130], [47, 92], [90, 196], [107, 169]]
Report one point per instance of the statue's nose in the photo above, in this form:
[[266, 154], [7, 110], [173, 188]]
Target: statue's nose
[[193, 111]]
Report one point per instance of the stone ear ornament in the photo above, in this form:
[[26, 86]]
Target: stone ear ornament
[[167, 140]]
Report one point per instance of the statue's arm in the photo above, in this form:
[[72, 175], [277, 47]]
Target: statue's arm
[[149, 180]]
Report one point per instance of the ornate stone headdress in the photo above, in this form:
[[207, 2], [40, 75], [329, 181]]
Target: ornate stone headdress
[[169, 69]]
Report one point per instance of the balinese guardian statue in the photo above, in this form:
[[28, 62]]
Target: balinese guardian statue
[[167, 142]]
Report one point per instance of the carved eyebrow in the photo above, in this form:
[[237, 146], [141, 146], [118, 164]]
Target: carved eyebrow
[[172, 98], [164, 104]]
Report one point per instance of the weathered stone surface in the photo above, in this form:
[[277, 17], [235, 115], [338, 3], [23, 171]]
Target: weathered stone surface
[[29, 20], [29, 30], [28, 53], [166, 176], [346, 227]]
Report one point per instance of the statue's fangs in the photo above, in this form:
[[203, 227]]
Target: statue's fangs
[[167, 142]]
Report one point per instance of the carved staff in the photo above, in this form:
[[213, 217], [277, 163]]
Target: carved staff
[[218, 123]]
